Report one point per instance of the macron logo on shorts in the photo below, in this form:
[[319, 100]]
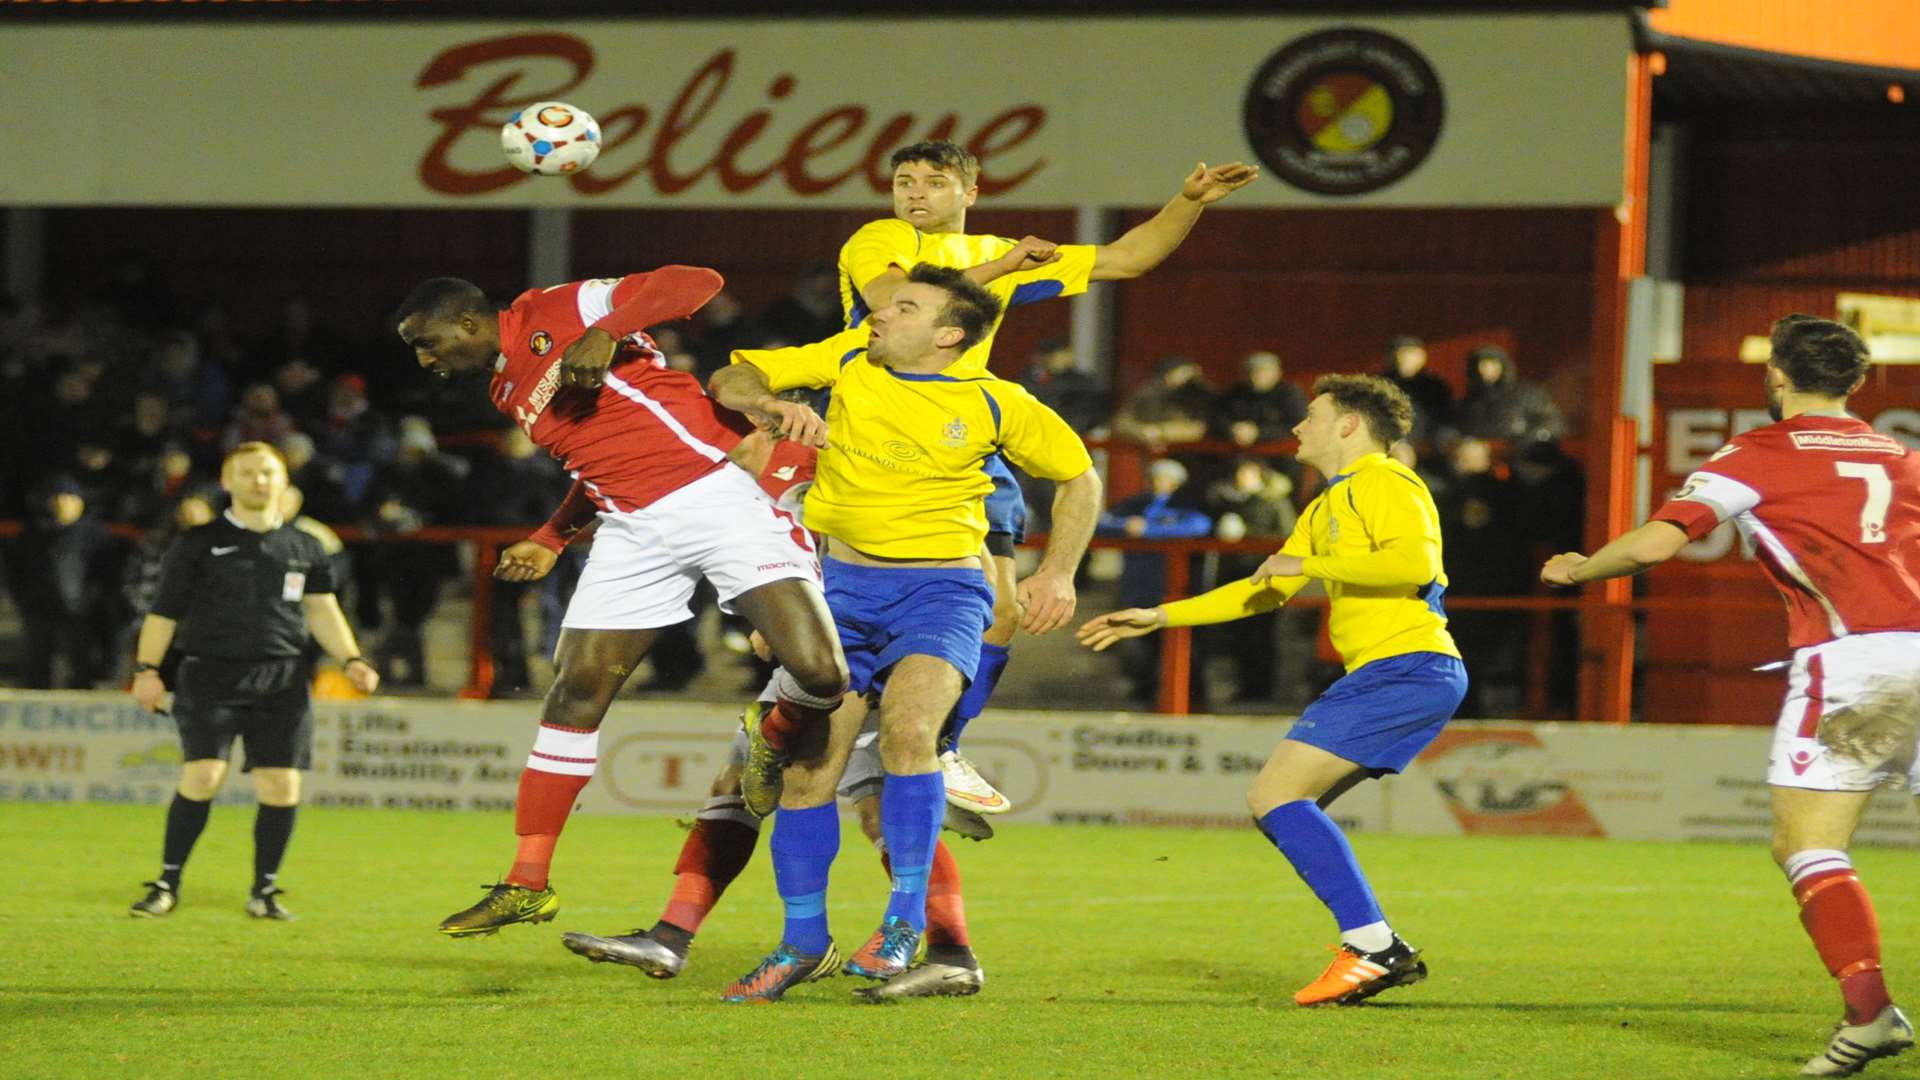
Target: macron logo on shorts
[[788, 564]]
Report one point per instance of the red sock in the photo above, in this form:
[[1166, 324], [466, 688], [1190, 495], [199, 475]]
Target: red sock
[[715, 852], [1838, 915], [787, 718], [946, 913], [559, 767]]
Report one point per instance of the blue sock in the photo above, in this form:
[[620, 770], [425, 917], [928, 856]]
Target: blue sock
[[803, 845], [1321, 855], [911, 809], [993, 662]]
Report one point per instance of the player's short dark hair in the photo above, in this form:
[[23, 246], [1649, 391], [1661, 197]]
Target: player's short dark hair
[[1384, 406], [941, 154], [442, 298], [969, 306], [1819, 356]]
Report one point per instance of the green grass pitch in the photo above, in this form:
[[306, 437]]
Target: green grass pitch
[[1109, 952]]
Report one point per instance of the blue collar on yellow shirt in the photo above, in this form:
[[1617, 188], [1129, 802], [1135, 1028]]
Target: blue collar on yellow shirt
[[1357, 464]]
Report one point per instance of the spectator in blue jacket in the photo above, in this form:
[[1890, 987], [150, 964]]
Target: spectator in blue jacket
[[1163, 512]]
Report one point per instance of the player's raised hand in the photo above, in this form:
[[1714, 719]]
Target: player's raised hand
[[1047, 602], [1278, 565], [1559, 569], [1031, 252], [586, 361], [792, 420], [1102, 632], [1209, 185], [525, 561]]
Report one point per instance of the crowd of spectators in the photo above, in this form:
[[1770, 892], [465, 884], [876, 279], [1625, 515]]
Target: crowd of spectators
[[117, 409], [1216, 466], [113, 412]]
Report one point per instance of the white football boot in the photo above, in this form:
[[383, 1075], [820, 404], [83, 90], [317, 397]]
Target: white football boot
[[1853, 1045], [967, 789]]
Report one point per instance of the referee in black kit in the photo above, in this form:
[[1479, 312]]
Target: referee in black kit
[[236, 599]]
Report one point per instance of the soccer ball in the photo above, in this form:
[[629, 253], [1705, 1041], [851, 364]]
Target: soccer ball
[[551, 138]]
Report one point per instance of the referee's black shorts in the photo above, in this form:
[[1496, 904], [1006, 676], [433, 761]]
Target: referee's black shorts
[[265, 703]]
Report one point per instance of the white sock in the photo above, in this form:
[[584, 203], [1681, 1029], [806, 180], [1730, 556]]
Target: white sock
[[568, 751], [1804, 864], [1372, 938], [789, 688]]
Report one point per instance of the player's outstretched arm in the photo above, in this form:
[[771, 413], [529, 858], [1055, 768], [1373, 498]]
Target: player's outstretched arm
[[1103, 632], [1030, 253], [1148, 244], [744, 388], [1630, 553]]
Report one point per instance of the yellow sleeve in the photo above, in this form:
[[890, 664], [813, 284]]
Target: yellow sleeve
[[1405, 530], [875, 248], [809, 366], [1239, 599], [1033, 436], [1066, 276]]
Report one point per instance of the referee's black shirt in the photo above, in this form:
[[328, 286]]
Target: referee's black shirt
[[236, 593]]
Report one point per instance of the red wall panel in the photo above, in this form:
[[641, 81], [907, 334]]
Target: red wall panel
[[1326, 289]]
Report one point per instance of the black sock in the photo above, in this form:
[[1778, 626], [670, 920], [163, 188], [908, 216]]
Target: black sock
[[673, 937], [272, 828], [185, 820], [957, 955]]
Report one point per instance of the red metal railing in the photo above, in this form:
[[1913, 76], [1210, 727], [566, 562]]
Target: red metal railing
[[1176, 654]]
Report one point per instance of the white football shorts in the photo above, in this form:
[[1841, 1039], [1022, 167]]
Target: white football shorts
[[1851, 721], [645, 563]]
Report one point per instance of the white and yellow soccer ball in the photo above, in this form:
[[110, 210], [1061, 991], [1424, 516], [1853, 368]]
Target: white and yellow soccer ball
[[551, 138]]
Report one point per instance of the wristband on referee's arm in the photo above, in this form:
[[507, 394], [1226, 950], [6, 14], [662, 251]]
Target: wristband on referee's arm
[[141, 667], [356, 659]]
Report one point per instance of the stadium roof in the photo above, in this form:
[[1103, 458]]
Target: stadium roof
[[1704, 72], [1784, 52]]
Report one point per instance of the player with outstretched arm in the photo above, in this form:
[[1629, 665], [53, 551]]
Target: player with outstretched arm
[[1372, 537], [934, 184], [1833, 508]]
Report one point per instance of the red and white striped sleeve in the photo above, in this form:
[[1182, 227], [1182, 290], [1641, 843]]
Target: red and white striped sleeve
[[628, 305]]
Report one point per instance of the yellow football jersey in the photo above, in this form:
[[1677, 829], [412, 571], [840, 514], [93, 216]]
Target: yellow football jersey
[[1373, 538], [880, 245], [901, 476]]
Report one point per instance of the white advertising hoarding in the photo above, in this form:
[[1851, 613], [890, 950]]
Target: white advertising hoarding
[[1639, 782], [1405, 111]]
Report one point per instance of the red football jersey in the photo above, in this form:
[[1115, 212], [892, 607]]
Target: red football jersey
[[645, 432], [1833, 509]]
